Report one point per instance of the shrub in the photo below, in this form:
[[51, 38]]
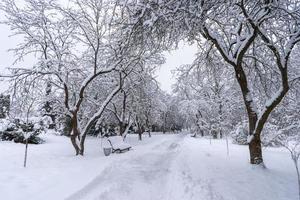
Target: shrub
[[16, 131]]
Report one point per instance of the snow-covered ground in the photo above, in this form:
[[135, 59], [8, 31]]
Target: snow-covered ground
[[163, 167]]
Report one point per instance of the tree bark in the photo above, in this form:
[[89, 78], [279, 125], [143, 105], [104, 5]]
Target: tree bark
[[255, 150], [202, 133], [122, 123], [75, 145], [140, 131], [74, 135]]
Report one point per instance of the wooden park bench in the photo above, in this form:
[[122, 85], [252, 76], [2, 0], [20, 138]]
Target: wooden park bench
[[118, 145]]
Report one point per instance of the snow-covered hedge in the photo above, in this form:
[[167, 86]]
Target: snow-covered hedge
[[17, 131]]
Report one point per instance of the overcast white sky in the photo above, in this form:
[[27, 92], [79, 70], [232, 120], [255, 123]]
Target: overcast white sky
[[184, 55]]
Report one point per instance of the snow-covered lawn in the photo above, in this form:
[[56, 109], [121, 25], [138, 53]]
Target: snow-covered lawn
[[163, 167]]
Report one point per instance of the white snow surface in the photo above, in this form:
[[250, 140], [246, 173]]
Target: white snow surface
[[163, 167]]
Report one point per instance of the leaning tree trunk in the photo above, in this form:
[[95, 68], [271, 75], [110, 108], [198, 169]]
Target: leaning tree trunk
[[255, 150]]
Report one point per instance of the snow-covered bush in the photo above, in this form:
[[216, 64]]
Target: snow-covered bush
[[66, 125], [241, 134], [17, 131], [4, 124]]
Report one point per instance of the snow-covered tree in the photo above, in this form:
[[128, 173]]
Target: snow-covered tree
[[77, 48], [4, 105], [208, 95], [235, 28]]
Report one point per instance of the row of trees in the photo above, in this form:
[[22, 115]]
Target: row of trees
[[88, 64], [97, 57], [256, 39]]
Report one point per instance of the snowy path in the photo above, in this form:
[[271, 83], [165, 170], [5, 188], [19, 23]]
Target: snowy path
[[155, 172], [185, 168], [163, 167], [145, 174]]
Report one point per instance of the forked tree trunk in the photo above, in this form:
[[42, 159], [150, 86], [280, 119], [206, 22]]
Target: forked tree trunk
[[256, 124], [255, 150], [78, 139]]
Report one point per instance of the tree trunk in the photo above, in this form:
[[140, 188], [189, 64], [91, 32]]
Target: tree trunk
[[202, 133], [164, 124], [255, 150], [141, 131], [75, 145], [127, 129], [255, 141], [74, 135], [26, 150], [214, 134], [298, 174], [82, 140], [122, 127], [201, 130], [227, 145], [122, 123]]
